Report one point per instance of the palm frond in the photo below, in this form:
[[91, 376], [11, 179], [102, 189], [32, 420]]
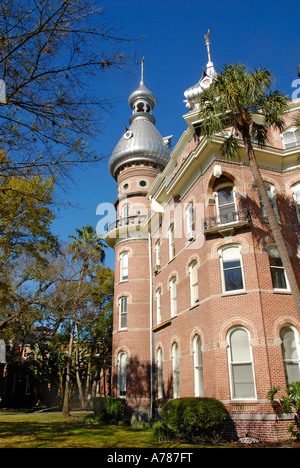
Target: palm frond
[[230, 147]]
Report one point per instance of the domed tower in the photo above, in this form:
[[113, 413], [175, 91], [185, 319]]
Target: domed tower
[[140, 155]]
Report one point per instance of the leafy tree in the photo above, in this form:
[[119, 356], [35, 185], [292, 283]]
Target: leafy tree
[[52, 56], [233, 100], [87, 249], [288, 404]]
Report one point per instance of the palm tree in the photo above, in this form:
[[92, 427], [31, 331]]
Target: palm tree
[[87, 248], [238, 99]]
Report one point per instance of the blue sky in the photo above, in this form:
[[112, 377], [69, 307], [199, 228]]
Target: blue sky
[[253, 32]]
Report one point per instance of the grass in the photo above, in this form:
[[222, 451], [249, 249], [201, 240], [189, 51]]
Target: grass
[[52, 430]]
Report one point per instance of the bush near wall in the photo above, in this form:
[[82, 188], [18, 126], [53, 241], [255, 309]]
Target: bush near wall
[[191, 419], [110, 410]]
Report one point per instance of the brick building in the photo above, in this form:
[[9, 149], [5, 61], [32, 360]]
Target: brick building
[[202, 302]]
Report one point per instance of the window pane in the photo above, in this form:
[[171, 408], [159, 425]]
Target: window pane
[[240, 350], [278, 278], [292, 371], [225, 195], [289, 347], [243, 384], [233, 279]]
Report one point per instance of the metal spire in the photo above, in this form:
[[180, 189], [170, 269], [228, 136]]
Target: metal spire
[[142, 70]]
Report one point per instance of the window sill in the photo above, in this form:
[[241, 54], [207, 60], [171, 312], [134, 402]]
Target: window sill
[[193, 306], [234, 293], [282, 291]]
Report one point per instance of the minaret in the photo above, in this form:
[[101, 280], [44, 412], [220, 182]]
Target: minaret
[[140, 155], [192, 93]]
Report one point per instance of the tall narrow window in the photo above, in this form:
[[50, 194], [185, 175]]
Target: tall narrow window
[[122, 366], [173, 296], [279, 278], [158, 306], [160, 392], [272, 197], [171, 242], [290, 353], [198, 367], [190, 221], [175, 365], [296, 193], [124, 266], [193, 272], [240, 364], [123, 312], [157, 253], [226, 205], [125, 211], [231, 265]]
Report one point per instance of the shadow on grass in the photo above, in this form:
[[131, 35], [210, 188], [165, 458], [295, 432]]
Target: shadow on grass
[[62, 434]]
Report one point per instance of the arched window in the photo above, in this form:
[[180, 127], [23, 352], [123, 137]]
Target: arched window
[[157, 253], [290, 353], [160, 392], [231, 267], [279, 278], [123, 312], [193, 272], [122, 370], [296, 194], [124, 266], [190, 221], [125, 212], [198, 367], [272, 197], [171, 242], [226, 204], [173, 296], [240, 364], [175, 366], [158, 306]]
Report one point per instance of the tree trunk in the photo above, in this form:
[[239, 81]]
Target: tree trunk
[[66, 407], [277, 234]]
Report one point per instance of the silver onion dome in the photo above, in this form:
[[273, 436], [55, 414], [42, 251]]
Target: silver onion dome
[[141, 142]]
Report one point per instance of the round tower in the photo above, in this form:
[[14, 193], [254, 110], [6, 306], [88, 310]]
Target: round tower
[[140, 155]]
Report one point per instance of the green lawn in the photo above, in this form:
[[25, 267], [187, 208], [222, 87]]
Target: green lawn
[[52, 430]]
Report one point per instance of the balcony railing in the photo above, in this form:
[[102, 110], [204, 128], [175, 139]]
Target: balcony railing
[[128, 221], [232, 219]]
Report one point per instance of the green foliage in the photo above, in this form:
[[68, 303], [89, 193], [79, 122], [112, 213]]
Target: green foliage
[[111, 411], [191, 419], [288, 404]]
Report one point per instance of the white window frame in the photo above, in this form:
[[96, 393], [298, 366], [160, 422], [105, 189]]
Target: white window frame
[[218, 206], [173, 296], [122, 374], [296, 196], [272, 197], [278, 268], [157, 252], [171, 242], [198, 367], [124, 266], [123, 312], [296, 138], [190, 221], [194, 290], [175, 370], [240, 363], [160, 389], [221, 250], [296, 358], [158, 306]]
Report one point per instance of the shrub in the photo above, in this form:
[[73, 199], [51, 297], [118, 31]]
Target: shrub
[[111, 411], [288, 404], [191, 419]]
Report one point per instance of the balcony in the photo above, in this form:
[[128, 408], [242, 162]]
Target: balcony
[[227, 222], [128, 221]]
